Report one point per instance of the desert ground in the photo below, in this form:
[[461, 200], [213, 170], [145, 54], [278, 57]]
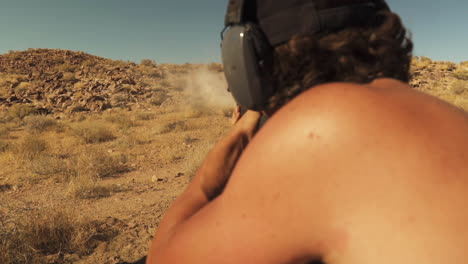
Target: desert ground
[[93, 151]]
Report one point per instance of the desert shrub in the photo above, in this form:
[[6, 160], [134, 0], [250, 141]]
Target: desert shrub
[[47, 166], [458, 87], [79, 86], [123, 121], [87, 168], [420, 63], [68, 77], [86, 189], [425, 59], [20, 111], [193, 113], [89, 165], [4, 91], [49, 232], [5, 117], [132, 140], [119, 99], [446, 66], [98, 164], [153, 73], [461, 75], [4, 131], [159, 97], [15, 55], [39, 123], [165, 83], [177, 126], [145, 116], [3, 146], [30, 147], [118, 63], [215, 67], [89, 63], [65, 67], [92, 132], [92, 164], [148, 63], [22, 87], [126, 88]]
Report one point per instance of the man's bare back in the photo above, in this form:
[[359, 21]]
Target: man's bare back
[[344, 173]]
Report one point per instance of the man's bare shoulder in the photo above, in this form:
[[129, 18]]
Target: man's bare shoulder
[[344, 146], [350, 124], [385, 105]]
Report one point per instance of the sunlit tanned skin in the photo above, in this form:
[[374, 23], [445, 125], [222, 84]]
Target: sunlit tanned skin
[[345, 173]]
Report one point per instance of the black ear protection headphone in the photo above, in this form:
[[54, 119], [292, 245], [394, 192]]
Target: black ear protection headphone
[[247, 58], [248, 46]]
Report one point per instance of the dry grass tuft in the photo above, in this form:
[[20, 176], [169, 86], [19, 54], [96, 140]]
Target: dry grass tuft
[[148, 63], [79, 86], [131, 140], [20, 111], [145, 116], [122, 120], [459, 87], [119, 99], [215, 67], [30, 147], [4, 131], [95, 163], [85, 189], [3, 146], [66, 67], [461, 74], [174, 126], [5, 117], [82, 170], [68, 77], [40, 123], [159, 97], [47, 233], [22, 87], [92, 132], [88, 168]]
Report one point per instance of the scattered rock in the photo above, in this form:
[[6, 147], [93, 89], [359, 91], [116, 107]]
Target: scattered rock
[[156, 179]]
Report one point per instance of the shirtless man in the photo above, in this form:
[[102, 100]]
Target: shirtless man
[[353, 167]]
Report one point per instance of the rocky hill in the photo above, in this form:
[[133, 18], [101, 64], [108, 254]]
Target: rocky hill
[[445, 80], [67, 81]]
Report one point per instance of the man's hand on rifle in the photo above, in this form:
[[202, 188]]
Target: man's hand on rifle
[[236, 115]]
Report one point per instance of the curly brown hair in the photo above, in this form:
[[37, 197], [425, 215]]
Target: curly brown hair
[[358, 55]]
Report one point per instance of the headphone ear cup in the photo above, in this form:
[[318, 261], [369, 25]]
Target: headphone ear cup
[[247, 59]]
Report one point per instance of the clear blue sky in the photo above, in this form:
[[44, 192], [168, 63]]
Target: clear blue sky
[[180, 31]]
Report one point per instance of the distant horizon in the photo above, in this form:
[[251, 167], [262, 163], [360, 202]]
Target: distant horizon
[[137, 62], [181, 31]]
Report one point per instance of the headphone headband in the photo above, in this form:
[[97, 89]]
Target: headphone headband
[[305, 18], [235, 12]]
